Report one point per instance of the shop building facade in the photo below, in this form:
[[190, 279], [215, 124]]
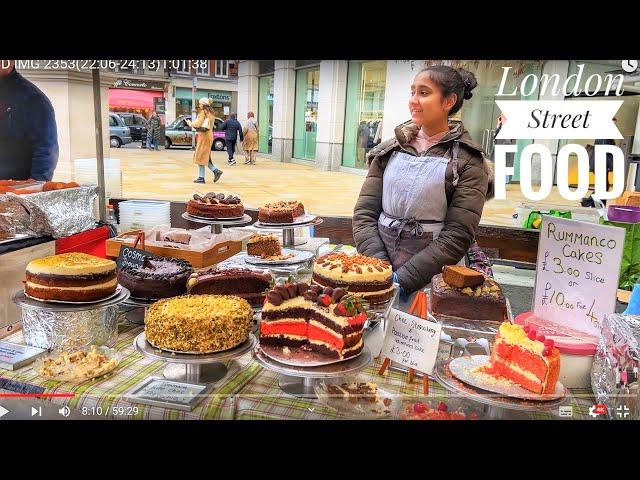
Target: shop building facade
[[216, 79], [330, 113]]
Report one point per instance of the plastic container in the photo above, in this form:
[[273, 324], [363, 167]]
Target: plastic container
[[622, 213], [143, 214], [576, 356], [86, 172]]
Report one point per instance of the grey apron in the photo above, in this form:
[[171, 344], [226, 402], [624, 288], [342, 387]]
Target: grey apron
[[414, 203]]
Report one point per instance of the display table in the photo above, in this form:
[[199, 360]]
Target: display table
[[247, 392]]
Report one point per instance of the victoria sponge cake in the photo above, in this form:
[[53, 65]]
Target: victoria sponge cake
[[71, 277]]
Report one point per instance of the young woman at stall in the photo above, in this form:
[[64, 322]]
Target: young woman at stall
[[422, 200], [204, 124]]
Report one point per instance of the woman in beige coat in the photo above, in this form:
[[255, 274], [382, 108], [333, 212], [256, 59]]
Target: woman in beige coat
[[250, 143], [204, 125]]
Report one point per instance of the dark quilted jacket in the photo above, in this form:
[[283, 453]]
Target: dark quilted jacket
[[467, 187]]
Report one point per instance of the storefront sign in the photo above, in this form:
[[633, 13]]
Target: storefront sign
[[577, 274], [164, 393], [159, 105], [14, 356], [132, 257], [139, 84], [411, 341]]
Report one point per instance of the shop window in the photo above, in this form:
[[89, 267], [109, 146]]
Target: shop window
[[265, 114], [222, 68], [306, 113], [182, 66], [366, 82], [203, 68]]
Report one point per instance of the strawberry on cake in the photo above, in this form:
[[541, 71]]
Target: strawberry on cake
[[326, 320], [525, 357]]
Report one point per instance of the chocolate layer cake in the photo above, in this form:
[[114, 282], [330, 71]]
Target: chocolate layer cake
[[326, 320], [159, 277], [242, 282], [367, 277], [280, 212], [71, 277], [264, 246], [198, 323], [484, 302], [214, 205]]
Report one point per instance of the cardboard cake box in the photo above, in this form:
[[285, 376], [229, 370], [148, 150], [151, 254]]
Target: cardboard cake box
[[210, 250]]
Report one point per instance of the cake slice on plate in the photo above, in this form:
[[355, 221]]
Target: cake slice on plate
[[525, 357]]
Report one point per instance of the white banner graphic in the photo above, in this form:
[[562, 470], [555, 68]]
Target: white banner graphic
[[559, 119]]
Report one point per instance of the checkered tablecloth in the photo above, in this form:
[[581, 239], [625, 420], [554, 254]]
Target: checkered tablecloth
[[261, 398], [247, 392], [107, 392]]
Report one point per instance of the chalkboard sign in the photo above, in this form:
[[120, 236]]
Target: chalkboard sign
[[132, 257], [411, 341], [159, 105], [577, 275]]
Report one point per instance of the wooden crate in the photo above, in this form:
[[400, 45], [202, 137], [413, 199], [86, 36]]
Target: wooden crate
[[215, 254]]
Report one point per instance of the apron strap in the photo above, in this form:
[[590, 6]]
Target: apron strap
[[455, 149], [400, 223]]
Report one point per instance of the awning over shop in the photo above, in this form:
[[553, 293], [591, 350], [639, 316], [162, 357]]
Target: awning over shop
[[119, 97]]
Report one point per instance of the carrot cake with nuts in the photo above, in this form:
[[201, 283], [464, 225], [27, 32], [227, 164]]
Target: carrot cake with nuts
[[264, 246], [367, 277], [482, 302], [198, 323]]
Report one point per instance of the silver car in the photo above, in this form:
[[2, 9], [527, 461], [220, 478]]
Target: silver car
[[119, 133]]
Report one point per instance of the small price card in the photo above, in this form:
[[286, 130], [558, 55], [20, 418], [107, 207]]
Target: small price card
[[411, 341]]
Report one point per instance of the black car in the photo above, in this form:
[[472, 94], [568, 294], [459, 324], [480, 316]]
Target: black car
[[137, 124]]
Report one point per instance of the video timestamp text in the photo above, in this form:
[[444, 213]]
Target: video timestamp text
[[121, 66]]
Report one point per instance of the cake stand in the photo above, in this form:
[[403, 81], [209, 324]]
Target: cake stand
[[138, 313], [497, 407], [288, 230], [300, 381], [217, 224], [20, 299], [191, 368]]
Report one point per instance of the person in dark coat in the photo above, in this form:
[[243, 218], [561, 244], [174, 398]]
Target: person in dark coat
[[153, 132], [28, 132], [232, 129]]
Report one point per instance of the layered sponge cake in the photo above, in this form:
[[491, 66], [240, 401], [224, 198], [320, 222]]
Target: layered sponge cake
[[71, 277], [325, 320], [525, 357], [367, 277]]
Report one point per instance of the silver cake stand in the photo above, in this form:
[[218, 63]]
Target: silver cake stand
[[190, 368], [138, 313], [217, 224], [20, 299], [497, 407], [288, 230], [300, 381]]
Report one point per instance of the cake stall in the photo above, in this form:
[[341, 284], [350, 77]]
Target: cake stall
[[269, 329]]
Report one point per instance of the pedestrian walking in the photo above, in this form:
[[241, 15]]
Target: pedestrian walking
[[153, 132], [204, 127], [232, 129], [250, 143]]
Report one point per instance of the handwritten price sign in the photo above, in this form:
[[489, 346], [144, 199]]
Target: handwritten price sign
[[577, 273], [411, 341]]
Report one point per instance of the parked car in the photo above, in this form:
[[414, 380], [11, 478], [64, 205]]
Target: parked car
[[178, 134], [137, 124], [119, 133]]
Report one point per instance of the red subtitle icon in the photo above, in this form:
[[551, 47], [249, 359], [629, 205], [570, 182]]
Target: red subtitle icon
[[598, 409]]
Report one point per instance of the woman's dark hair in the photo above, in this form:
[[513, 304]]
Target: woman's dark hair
[[452, 80]]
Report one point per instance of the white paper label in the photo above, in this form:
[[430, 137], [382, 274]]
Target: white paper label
[[577, 273], [170, 392], [411, 341]]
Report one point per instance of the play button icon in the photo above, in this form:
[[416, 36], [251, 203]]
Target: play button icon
[[3, 411]]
